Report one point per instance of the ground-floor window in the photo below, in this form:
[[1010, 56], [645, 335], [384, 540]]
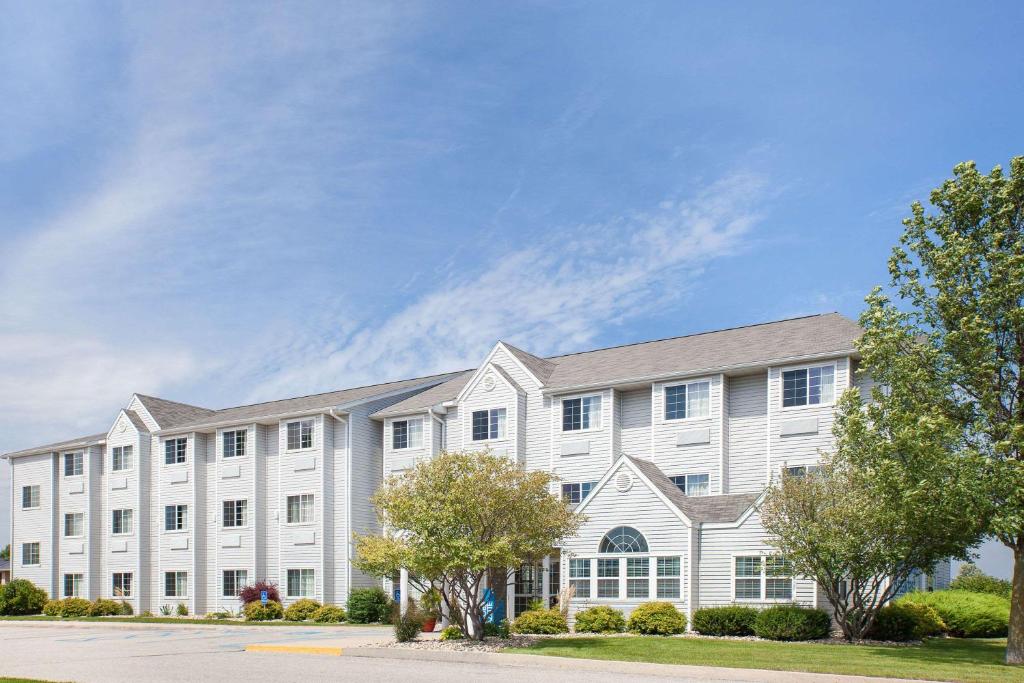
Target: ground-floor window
[[232, 581], [669, 571], [631, 578], [175, 584], [758, 577], [122, 584], [73, 585], [579, 577], [301, 583]]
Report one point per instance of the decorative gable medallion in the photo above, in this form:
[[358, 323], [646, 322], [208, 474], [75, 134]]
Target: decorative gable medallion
[[623, 481], [488, 382]]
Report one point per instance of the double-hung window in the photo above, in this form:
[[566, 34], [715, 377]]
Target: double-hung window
[[581, 413], [29, 497], [407, 434], [233, 580], [175, 584], [235, 513], [683, 401], [74, 524], [175, 517], [121, 522], [300, 508], [301, 583], [579, 577], [607, 577], [692, 484], [668, 577], [808, 386], [73, 585], [762, 578], [801, 471], [74, 464], [638, 573], [121, 584], [300, 435], [576, 493], [175, 451], [30, 554], [488, 424], [234, 443], [121, 458]]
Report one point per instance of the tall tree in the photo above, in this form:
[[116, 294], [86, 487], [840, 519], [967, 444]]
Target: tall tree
[[5, 553], [465, 522], [951, 343]]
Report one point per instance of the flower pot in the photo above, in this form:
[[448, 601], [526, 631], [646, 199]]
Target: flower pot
[[428, 625]]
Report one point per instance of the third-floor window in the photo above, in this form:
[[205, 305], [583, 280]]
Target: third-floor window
[[488, 424], [234, 443], [808, 386], [121, 458], [406, 434], [690, 400], [30, 497], [74, 464], [175, 451], [300, 435], [581, 413]]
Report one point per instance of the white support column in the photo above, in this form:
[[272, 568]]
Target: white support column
[[403, 587], [510, 598], [545, 581]]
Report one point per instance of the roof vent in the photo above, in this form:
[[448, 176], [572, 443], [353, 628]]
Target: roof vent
[[489, 382], [624, 481]]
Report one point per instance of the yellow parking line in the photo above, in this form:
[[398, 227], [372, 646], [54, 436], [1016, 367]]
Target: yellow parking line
[[295, 649]]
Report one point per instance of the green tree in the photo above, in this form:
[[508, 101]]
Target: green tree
[[464, 521], [5, 553], [950, 344]]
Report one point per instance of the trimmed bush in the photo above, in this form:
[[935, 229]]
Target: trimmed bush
[[301, 610], [329, 614], [102, 607], [657, 619], [792, 622], [906, 621], [368, 606], [20, 597], [600, 619], [729, 620], [68, 607], [52, 608], [126, 609], [540, 621], [974, 580], [966, 614], [452, 632], [252, 593], [255, 611]]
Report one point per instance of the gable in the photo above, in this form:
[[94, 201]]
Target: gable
[[128, 425]]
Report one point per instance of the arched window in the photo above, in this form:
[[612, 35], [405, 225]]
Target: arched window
[[623, 539]]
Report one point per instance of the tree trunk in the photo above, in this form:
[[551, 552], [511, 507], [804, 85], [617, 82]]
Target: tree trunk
[[1015, 641]]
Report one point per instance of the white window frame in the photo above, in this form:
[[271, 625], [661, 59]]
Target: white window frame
[[686, 383], [77, 585], [81, 516], [588, 579], [131, 516], [78, 460], [39, 554], [409, 445], [687, 476], [808, 368], [38, 497], [580, 485], [179, 517], [238, 585], [114, 587], [245, 514], [176, 572], [763, 580], [287, 583], [299, 495], [234, 435], [503, 424], [175, 440], [581, 397], [312, 434], [131, 458]]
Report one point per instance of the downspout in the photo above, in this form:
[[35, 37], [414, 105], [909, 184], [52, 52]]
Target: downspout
[[440, 422]]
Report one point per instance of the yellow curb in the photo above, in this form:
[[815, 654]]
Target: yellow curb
[[295, 649]]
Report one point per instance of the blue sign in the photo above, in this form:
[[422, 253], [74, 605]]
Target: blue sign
[[398, 595], [263, 597]]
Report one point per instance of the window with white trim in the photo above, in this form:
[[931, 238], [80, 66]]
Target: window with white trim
[[74, 464], [175, 517], [121, 522], [175, 584], [757, 577], [30, 554], [73, 585], [581, 413], [301, 583], [607, 577], [638, 577], [623, 539], [175, 451], [29, 497], [693, 484], [576, 493], [407, 434], [300, 508], [669, 571], [801, 471], [488, 424], [121, 458], [74, 524], [121, 584], [232, 581], [299, 434], [579, 576], [235, 513], [808, 386], [692, 400], [234, 443]]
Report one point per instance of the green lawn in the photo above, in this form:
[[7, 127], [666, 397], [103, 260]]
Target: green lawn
[[4, 679], [178, 620], [967, 660]]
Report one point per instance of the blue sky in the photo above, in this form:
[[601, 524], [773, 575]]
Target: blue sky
[[226, 203]]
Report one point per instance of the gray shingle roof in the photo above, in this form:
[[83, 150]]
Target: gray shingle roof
[[724, 508], [136, 420], [169, 414], [5, 565], [431, 397], [540, 367], [80, 442]]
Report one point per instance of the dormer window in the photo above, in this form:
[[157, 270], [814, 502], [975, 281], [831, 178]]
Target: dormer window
[[581, 413], [407, 434], [300, 435], [175, 451], [234, 443], [808, 386], [488, 424], [687, 401]]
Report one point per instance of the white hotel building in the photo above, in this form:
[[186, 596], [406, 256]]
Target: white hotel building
[[665, 445]]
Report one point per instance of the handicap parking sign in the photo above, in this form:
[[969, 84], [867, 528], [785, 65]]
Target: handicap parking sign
[[263, 597]]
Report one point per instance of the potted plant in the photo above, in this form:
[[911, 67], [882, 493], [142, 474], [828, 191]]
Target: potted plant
[[430, 606]]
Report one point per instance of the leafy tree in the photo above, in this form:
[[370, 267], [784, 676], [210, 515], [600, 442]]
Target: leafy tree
[[464, 521], [5, 553], [951, 346], [972, 579]]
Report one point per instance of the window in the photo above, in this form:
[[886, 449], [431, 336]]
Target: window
[[73, 464], [29, 554], [233, 581], [121, 585], [175, 451], [73, 585], [175, 584], [579, 576], [581, 413], [668, 577], [122, 522], [808, 386], [29, 497], [488, 424], [121, 459], [576, 493], [301, 583], [235, 512], [175, 517], [638, 572], [406, 434], [300, 508], [768, 578], [692, 484], [688, 400], [300, 435], [234, 443], [802, 471], [623, 539], [608, 577], [74, 524]]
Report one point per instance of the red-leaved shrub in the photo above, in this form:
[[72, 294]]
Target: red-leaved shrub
[[252, 593]]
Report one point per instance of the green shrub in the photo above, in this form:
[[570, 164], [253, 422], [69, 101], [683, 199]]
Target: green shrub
[[102, 607], [329, 614], [368, 605], [21, 596], [301, 610], [729, 620], [657, 619], [256, 611], [147, 615], [791, 622], [68, 607], [452, 632], [409, 625], [600, 619], [974, 580], [966, 614], [52, 608], [126, 609], [540, 621], [499, 630], [905, 621], [182, 610]]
